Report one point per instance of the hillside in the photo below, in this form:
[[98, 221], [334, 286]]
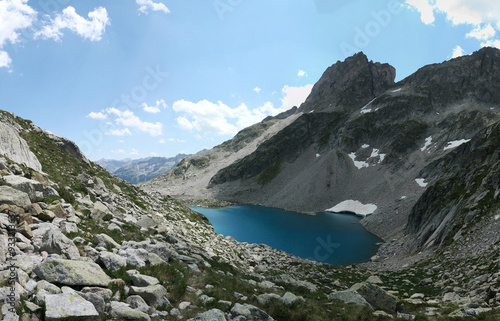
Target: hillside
[[140, 170]]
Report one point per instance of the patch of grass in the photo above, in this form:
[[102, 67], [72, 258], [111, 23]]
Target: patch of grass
[[174, 276], [269, 173]]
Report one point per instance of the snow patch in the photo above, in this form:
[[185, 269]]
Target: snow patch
[[456, 143], [403, 197], [365, 146], [374, 153], [382, 157], [396, 90], [358, 164], [318, 155], [421, 182], [428, 142], [355, 207], [365, 111]]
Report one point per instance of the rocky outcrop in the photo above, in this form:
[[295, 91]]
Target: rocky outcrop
[[349, 85], [15, 147], [69, 306]]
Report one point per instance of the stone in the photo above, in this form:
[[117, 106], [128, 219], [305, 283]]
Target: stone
[[96, 300], [112, 261], [58, 210], [348, 297], [143, 280], [184, 305], [50, 191], [417, 296], [67, 227], [11, 196], [49, 287], [383, 314], [154, 295], [267, 298], [69, 306], [122, 310], [376, 296], [105, 241], [54, 241], [102, 292], [67, 272], [136, 302], [290, 298], [47, 216], [33, 188], [250, 312], [426, 282], [211, 315], [374, 280], [25, 229], [225, 305]]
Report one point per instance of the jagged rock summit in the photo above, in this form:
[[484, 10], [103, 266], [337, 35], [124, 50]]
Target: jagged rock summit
[[349, 84]]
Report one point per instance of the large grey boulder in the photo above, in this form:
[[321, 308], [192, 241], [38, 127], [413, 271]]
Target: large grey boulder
[[348, 297], [143, 280], [376, 296], [211, 315], [15, 147], [250, 312], [68, 272], [154, 295], [95, 299], [33, 188], [123, 311], [112, 261], [69, 306], [11, 196], [54, 241], [105, 241], [136, 302]]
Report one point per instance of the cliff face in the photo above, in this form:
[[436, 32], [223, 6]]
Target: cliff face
[[361, 137]]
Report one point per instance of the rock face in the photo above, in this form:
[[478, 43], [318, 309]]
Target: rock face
[[11, 196], [15, 147], [69, 272]]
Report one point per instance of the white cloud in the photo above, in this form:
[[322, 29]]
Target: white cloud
[[294, 96], [129, 119], [482, 15], [457, 52], [257, 90], [91, 29], [491, 43], [154, 109], [98, 115], [118, 132], [301, 73], [15, 15], [483, 33], [134, 152], [162, 141], [146, 5], [217, 118], [5, 60], [118, 151]]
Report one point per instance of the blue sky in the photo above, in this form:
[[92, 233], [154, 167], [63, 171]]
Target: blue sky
[[139, 78]]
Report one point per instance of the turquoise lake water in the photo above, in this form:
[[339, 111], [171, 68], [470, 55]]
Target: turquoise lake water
[[328, 237]]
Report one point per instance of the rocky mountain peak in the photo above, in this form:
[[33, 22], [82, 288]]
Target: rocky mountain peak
[[349, 85], [476, 76]]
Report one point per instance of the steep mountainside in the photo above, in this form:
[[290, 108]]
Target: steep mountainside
[[141, 170], [358, 137]]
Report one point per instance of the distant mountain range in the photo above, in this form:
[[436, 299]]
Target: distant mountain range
[[140, 170]]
